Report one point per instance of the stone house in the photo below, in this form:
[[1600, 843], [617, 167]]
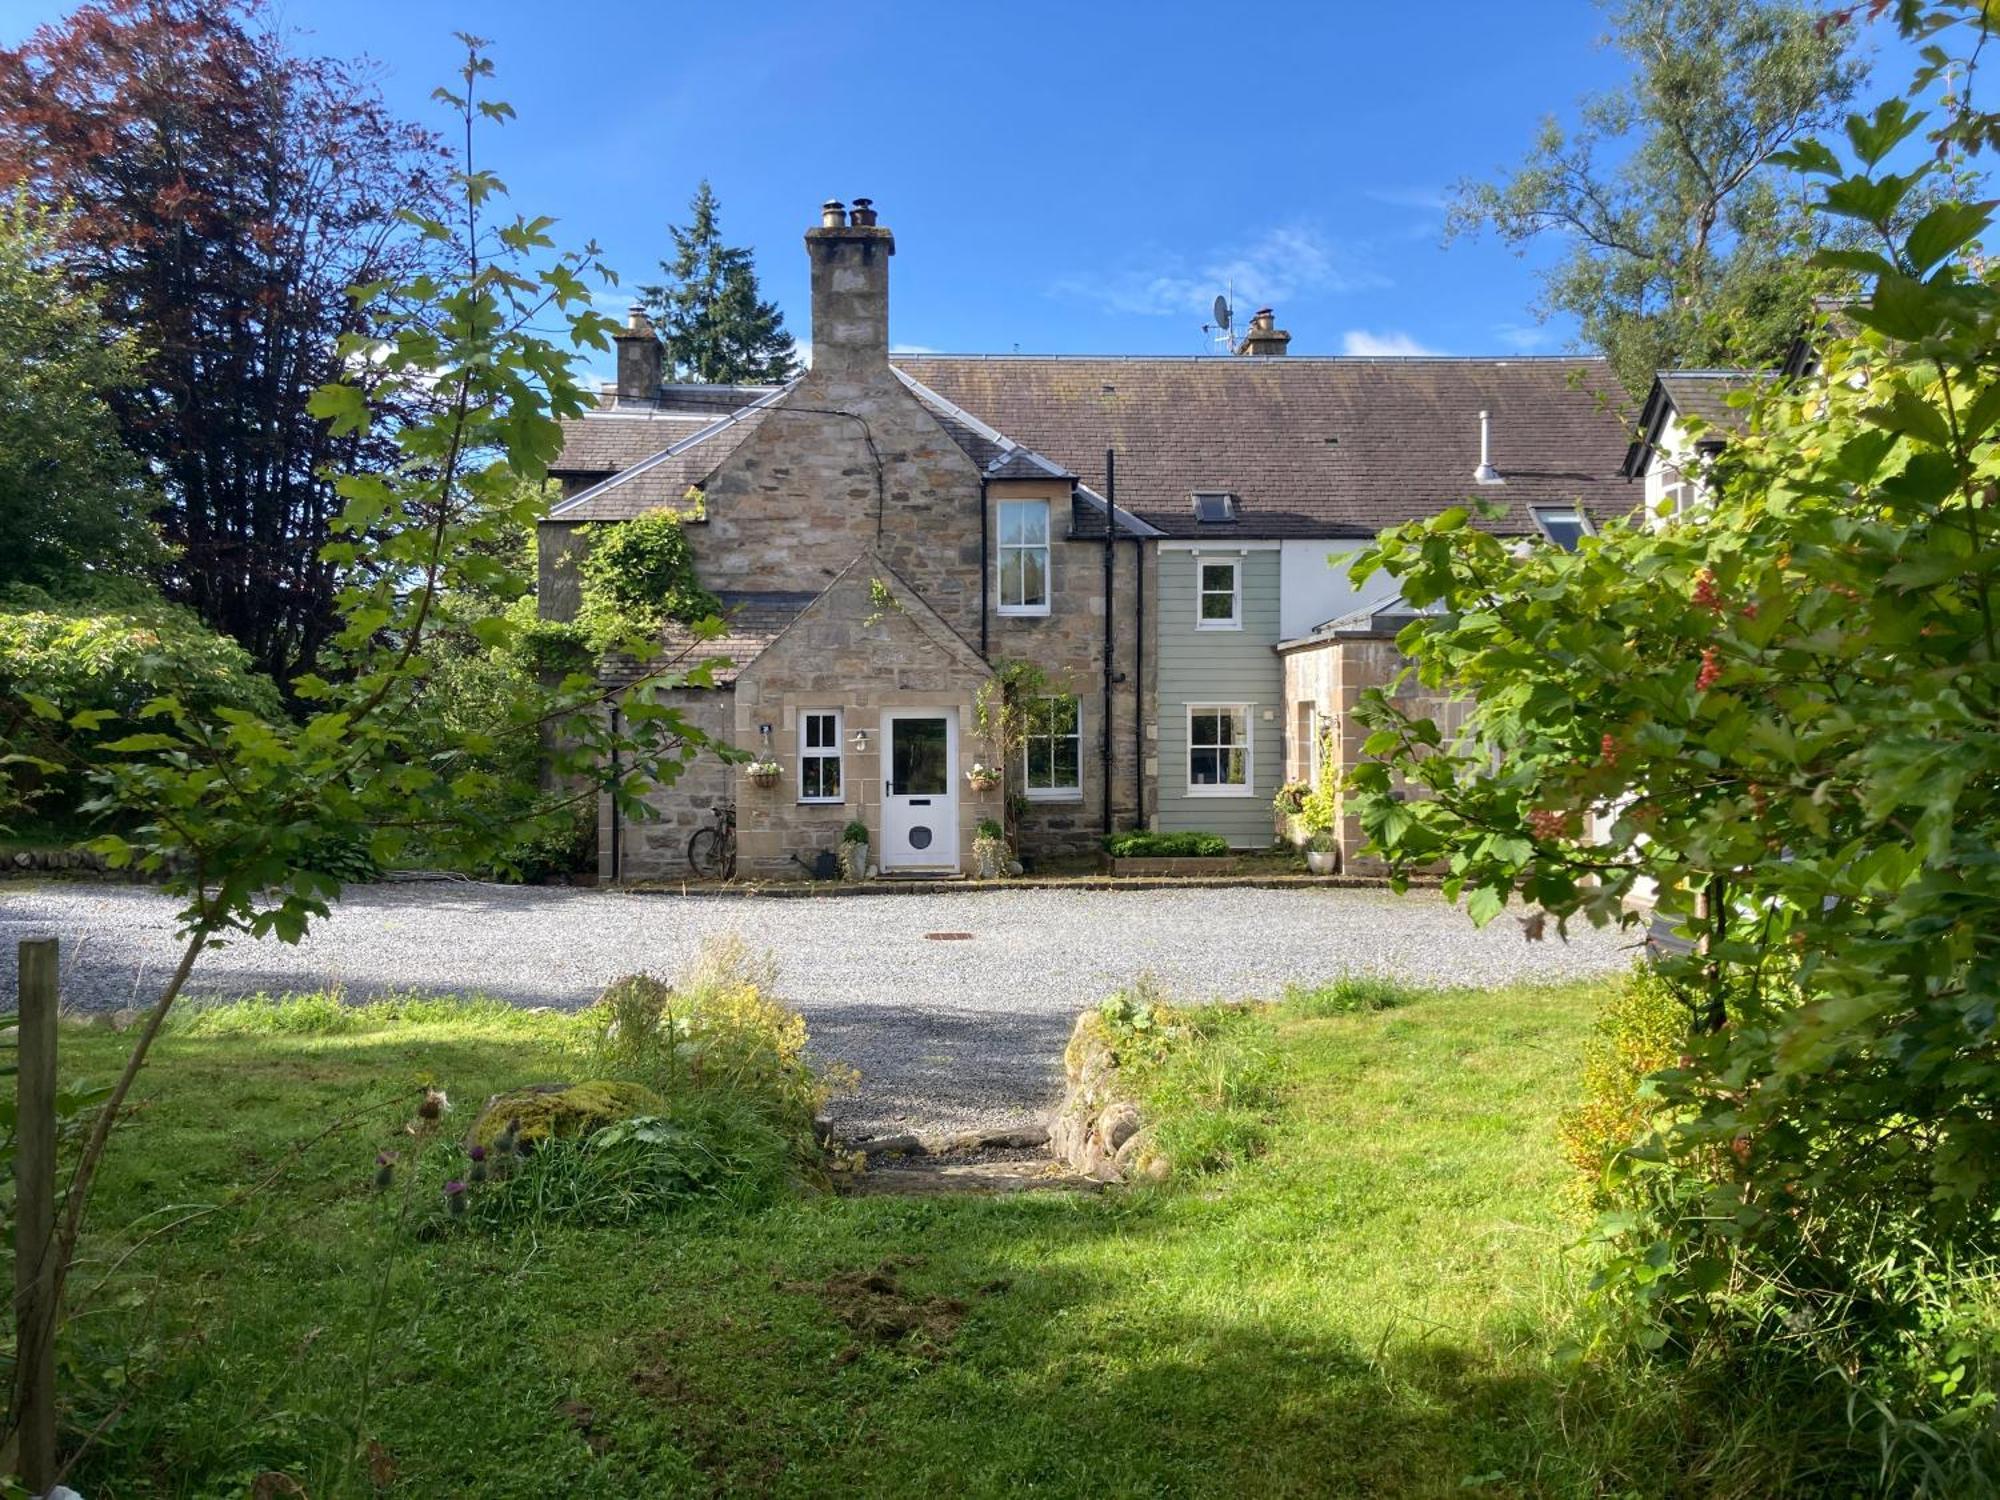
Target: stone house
[[1159, 541], [880, 554], [1261, 476]]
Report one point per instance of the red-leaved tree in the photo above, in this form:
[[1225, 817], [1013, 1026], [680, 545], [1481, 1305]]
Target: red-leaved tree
[[219, 197]]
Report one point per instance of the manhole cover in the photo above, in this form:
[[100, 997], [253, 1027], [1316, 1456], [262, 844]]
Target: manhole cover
[[949, 937]]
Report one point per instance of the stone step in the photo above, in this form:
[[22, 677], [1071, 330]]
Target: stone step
[[978, 1177]]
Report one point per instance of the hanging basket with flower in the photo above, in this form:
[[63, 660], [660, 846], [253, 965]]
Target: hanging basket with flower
[[982, 777], [763, 772]]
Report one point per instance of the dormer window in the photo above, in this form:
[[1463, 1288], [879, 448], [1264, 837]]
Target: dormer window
[[1564, 525], [1214, 507]]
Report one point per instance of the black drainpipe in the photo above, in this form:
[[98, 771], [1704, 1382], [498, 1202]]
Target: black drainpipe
[[985, 563], [1110, 660], [617, 823], [1138, 682]]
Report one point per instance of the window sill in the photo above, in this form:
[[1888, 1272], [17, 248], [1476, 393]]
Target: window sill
[[1220, 791], [822, 801], [1218, 624], [1066, 794], [1022, 611]]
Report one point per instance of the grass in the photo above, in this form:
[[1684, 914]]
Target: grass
[[1371, 1303]]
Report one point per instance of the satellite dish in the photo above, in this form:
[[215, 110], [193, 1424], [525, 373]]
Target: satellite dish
[[1221, 312]]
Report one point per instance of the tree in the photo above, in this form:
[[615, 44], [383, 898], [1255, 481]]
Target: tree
[[714, 322], [219, 197], [1685, 244], [72, 503], [1782, 715], [237, 809]]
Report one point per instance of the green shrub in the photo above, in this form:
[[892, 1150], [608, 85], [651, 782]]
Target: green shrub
[[1206, 1078], [699, 1150], [1642, 1029], [560, 843], [1348, 994], [119, 659], [717, 1030], [989, 828], [855, 832], [1140, 845], [639, 574]]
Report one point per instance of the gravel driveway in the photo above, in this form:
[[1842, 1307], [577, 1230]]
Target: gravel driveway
[[946, 1034]]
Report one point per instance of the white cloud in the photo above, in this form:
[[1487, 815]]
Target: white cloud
[[1273, 268], [913, 349], [1524, 338], [1432, 200], [1361, 342]]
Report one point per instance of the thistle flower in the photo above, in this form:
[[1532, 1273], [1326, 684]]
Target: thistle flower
[[434, 1104], [478, 1172], [454, 1197], [385, 1168]]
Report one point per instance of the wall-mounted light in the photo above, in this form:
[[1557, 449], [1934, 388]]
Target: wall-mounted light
[[860, 741]]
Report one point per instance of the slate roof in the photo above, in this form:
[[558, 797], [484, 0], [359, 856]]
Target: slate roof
[[1312, 447], [1001, 457], [754, 620], [1701, 394], [621, 431], [663, 475]]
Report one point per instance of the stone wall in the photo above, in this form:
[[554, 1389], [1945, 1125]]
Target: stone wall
[[863, 655], [1068, 645], [1331, 675], [656, 848]]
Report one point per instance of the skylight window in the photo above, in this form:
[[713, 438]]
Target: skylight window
[[1564, 525], [1214, 507]]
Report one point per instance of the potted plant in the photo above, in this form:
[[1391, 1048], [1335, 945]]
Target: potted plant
[[1323, 853], [1285, 810], [989, 850], [982, 777], [763, 771], [854, 850]]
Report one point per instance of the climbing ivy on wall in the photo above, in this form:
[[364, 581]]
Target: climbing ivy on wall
[[638, 575]]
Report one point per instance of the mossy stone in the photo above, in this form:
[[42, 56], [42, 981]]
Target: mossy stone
[[563, 1110]]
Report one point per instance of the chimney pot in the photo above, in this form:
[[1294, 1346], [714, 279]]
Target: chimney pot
[[640, 357], [850, 292], [1264, 339]]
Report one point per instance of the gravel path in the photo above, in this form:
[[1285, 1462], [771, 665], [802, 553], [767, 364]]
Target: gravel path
[[946, 1035]]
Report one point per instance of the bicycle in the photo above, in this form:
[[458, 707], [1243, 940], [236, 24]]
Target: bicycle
[[712, 851]]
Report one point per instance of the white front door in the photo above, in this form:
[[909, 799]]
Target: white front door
[[920, 793]]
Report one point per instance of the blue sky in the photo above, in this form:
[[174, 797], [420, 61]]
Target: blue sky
[[1062, 178]]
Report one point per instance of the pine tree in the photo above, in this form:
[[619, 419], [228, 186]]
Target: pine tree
[[715, 324]]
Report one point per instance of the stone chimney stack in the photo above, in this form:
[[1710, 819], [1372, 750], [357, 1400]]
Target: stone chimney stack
[[850, 290], [639, 356], [1265, 337]]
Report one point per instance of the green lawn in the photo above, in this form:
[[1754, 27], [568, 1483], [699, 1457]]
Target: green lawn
[[1372, 1307]]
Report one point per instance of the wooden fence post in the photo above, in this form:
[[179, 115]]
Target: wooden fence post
[[35, 1218]]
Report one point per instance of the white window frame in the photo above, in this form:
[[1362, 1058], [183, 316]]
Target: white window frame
[[1249, 786], [1538, 513], [836, 754], [1235, 566], [1001, 548], [1055, 793]]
